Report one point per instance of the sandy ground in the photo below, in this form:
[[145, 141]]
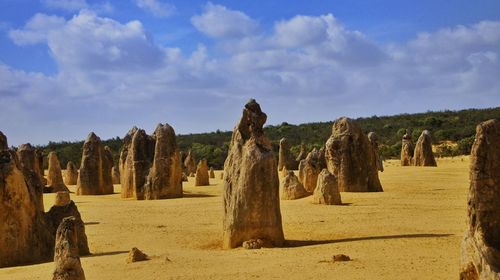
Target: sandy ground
[[412, 230]]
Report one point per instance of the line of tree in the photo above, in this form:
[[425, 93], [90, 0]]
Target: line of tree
[[454, 130]]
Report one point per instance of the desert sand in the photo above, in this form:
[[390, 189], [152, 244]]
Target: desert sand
[[412, 230]]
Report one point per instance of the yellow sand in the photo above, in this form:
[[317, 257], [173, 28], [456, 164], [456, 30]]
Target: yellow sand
[[412, 230]]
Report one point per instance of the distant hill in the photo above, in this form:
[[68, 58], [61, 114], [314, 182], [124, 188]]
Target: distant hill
[[456, 127]]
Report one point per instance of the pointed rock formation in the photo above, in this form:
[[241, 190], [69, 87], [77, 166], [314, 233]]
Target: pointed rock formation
[[373, 138], [94, 177], [407, 150], [202, 174], [251, 184], [54, 177], [65, 207], [115, 175], [26, 156], [350, 158], [309, 170], [302, 154], [285, 159], [3, 142], [211, 173], [292, 188], [481, 245], [39, 166], [165, 177], [327, 189], [71, 174], [190, 163], [24, 237], [67, 258], [423, 150]]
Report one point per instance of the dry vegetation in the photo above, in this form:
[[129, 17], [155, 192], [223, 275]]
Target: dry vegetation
[[412, 230]]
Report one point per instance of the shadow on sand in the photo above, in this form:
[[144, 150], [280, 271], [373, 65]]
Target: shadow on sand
[[91, 223], [303, 243], [191, 195], [112, 253]]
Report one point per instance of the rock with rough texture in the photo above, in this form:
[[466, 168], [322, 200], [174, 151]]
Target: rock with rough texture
[[190, 163], [309, 170], [407, 150], [67, 258], [165, 176], [115, 175], [94, 177], [423, 150], [54, 176], [341, 258], [71, 174], [184, 177], [211, 173], [136, 255], [3, 142], [327, 189], [24, 237], [373, 138], [251, 184], [481, 244], [302, 154], [292, 188], [63, 208], [285, 158], [26, 156], [39, 158], [257, 244], [201, 178], [350, 158]]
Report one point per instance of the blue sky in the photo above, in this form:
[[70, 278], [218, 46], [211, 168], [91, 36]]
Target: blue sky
[[68, 67]]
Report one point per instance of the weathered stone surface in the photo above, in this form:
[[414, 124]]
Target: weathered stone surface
[[481, 245], [190, 163], [373, 138], [341, 258], [423, 150], [61, 210], [94, 177], [71, 174], [3, 142], [302, 154], [309, 170], [39, 158], [211, 173], [24, 237], [54, 176], [201, 178], [26, 156], [350, 158], [184, 177], [292, 188], [327, 189], [115, 175], [407, 150], [285, 159], [251, 184], [257, 244], [67, 258], [136, 255], [165, 177]]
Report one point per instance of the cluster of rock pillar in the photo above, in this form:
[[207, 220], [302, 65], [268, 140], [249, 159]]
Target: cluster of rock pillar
[[420, 154], [150, 166]]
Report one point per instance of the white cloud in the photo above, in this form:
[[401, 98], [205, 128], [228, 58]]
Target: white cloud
[[220, 22], [36, 29], [156, 7], [68, 5]]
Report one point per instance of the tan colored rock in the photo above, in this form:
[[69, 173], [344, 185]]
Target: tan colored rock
[[67, 258], [71, 174], [285, 159], [192, 174], [39, 158], [373, 138], [309, 170], [350, 158], [284, 172], [407, 150], [292, 188], [165, 176], [221, 175], [481, 244], [115, 175], [26, 156], [201, 178], [302, 154], [136, 255], [211, 173], [423, 150], [94, 177], [251, 184], [63, 208], [190, 163], [24, 237], [327, 189], [184, 177], [54, 176]]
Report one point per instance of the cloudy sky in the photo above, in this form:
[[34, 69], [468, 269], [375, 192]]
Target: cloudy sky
[[68, 67]]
